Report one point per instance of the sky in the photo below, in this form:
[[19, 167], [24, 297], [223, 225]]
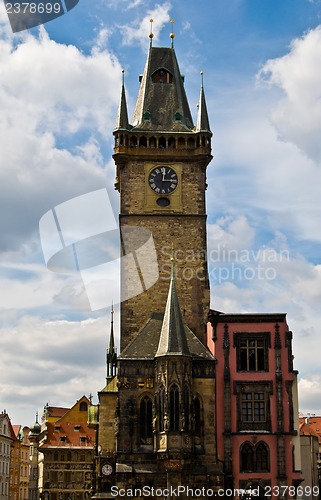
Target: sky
[[59, 94]]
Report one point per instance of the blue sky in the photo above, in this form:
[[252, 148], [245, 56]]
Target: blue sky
[[59, 92]]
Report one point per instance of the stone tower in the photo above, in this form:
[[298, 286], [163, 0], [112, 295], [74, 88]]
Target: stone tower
[[161, 160], [156, 422]]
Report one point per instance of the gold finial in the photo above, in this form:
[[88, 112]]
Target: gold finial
[[151, 34], [172, 35]]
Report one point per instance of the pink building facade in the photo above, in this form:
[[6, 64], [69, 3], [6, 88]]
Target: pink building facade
[[256, 402]]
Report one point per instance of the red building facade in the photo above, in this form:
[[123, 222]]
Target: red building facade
[[257, 404]]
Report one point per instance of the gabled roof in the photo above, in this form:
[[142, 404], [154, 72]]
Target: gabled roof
[[162, 103]]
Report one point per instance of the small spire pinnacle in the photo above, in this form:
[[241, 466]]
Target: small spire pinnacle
[[173, 263], [123, 76], [151, 34], [202, 78], [172, 35]]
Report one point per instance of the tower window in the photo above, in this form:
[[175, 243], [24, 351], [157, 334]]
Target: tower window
[[162, 75], [147, 116], [146, 417], [174, 408]]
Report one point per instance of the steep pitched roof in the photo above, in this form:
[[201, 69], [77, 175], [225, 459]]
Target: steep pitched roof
[[203, 124], [144, 346], [172, 338], [162, 103], [122, 115]]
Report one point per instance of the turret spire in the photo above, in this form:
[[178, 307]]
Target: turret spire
[[202, 117], [122, 116], [111, 352]]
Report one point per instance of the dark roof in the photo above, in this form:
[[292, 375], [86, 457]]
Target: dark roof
[[203, 124], [219, 317], [122, 115], [165, 103], [144, 346]]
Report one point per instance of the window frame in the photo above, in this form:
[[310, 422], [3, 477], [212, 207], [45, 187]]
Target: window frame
[[261, 362]]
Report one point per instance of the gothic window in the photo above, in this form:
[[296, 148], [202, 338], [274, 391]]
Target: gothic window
[[254, 459], [147, 116], [162, 142], [252, 351], [174, 408], [262, 457], [247, 458], [143, 141], [162, 75], [146, 419]]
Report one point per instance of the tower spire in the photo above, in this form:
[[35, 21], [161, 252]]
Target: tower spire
[[203, 123], [111, 352]]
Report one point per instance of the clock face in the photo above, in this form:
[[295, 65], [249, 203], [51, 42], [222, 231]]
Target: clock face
[[107, 469], [163, 179]]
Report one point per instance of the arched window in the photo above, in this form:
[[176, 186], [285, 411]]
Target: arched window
[[133, 141], [152, 142], [197, 415], [174, 408], [262, 456], [143, 141], [171, 142], [146, 419], [247, 458], [162, 142], [83, 406], [162, 75]]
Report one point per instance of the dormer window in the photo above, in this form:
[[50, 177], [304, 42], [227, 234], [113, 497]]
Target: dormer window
[[162, 75], [147, 116]]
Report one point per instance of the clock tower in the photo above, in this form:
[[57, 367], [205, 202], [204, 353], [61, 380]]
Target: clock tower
[[161, 160]]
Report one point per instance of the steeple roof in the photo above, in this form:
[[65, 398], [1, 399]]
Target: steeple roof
[[162, 103], [172, 339], [203, 123], [122, 115]]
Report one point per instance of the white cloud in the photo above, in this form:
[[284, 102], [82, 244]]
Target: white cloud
[[139, 28], [297, 116]]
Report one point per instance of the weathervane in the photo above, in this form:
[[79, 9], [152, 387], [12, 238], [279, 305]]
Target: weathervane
[[172, 35], [151, 34]]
